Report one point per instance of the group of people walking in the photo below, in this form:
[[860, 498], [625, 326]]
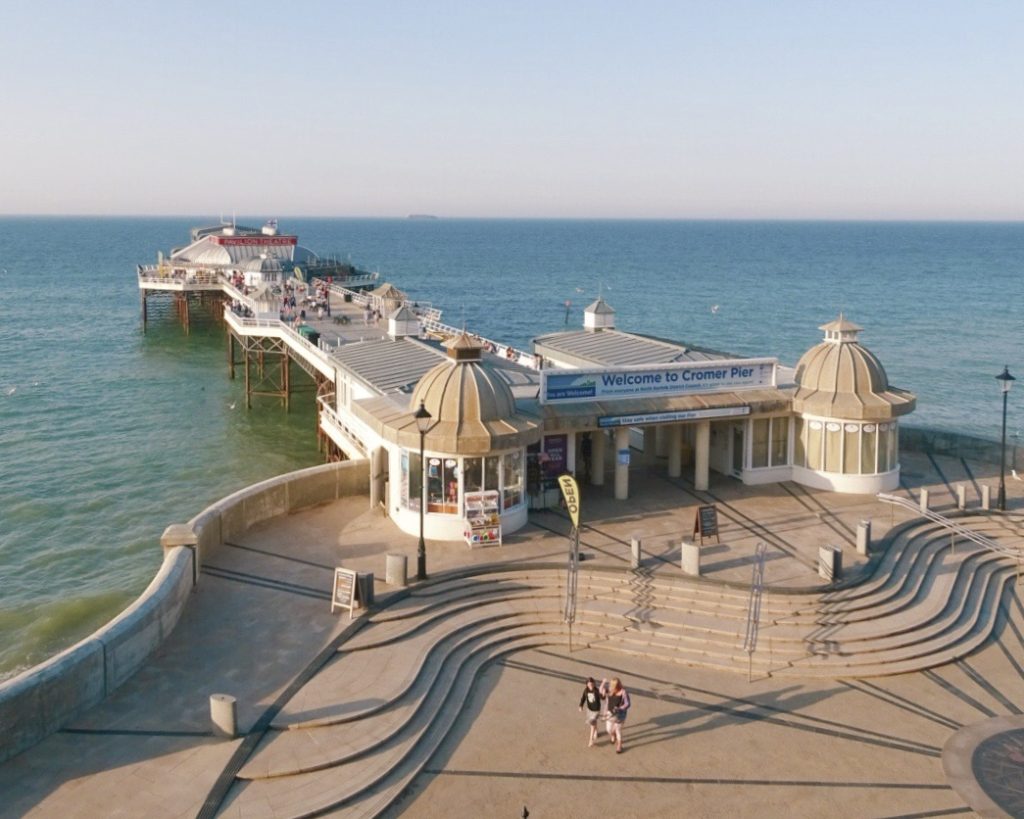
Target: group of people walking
[[608, 702]]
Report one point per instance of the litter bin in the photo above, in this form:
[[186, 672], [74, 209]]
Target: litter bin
[[364, 583], [347, 297]]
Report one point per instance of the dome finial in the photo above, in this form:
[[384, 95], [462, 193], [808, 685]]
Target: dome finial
[[841, 330]]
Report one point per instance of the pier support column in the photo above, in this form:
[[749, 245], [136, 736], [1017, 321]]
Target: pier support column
[[231, 356], [702, 456], [621, 469], [286, 381], [145, 313], [599, 442], [248, 379], [675, 450]]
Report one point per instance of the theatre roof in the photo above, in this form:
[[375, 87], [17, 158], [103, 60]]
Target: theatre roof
[[615, 348]]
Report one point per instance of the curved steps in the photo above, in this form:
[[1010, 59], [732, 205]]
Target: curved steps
[[359, 731]]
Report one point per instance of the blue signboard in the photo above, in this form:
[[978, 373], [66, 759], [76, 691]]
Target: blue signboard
[[567, 386]]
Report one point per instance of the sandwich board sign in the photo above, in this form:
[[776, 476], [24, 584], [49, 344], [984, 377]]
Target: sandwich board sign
[[705, 523], [343, 595]]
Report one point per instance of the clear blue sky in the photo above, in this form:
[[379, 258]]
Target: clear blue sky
[[724, 109]]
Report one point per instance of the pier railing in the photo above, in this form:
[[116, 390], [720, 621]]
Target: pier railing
[[330, 414]]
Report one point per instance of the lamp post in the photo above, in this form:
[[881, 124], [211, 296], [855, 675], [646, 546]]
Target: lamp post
[[422, 416], [1005, 382]]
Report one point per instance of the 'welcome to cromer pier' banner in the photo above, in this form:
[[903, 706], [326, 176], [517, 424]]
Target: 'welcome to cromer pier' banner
[[566, 386]]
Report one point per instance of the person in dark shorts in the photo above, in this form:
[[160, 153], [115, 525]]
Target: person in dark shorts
[[590, 704]]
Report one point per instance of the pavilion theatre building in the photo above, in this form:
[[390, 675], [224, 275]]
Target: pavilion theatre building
[[604, 403]]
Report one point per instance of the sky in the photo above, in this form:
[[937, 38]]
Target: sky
[[723, 110]]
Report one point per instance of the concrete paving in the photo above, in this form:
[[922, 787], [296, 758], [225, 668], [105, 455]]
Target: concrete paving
[[698, 742]]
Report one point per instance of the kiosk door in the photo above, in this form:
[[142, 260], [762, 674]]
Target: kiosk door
[[737, 450]]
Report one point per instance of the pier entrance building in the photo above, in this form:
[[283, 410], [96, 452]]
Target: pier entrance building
[[502, 423]]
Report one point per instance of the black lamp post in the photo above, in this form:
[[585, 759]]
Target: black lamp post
[[1005, 382], [423, 417]]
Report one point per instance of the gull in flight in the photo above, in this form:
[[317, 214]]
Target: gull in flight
[[1016, 477], [714, 309], [232, 405], [12, 390]]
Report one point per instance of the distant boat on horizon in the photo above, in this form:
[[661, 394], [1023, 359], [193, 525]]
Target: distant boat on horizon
[[421, 216]]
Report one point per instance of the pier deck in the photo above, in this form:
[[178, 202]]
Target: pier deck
[[698, 742]]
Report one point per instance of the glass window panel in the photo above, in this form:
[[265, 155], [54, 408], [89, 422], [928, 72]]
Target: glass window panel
[[442, 486], [894, 445], [883, 448], [815, 433], [473, 474], [851, 449], [868, 440], [799, 442], [833, 446], [512, 468], [759, 445], [414, 474], [780, 441], [491, 473]]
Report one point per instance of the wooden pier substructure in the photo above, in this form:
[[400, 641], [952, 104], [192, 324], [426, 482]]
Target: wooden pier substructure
[[267, 365], [181, 304]]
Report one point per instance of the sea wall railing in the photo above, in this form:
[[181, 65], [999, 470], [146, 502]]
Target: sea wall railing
[[46, 697]]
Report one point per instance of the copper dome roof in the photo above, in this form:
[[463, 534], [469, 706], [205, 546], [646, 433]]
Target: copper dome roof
[[839, 378]]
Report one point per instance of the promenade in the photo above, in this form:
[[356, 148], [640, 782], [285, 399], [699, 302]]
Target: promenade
[[314, 690]]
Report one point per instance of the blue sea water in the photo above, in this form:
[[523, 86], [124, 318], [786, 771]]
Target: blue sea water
[[108, 434]]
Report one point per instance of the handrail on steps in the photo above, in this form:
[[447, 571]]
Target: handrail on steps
[[954, 528]]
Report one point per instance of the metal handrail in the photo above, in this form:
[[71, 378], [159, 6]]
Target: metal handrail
[[953, 526], [754, 607]]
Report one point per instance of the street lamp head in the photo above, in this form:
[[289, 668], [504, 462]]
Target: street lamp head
[[423, 418], [1005, 379]]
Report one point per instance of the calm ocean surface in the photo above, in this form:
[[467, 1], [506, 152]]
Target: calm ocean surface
[[107, 435]]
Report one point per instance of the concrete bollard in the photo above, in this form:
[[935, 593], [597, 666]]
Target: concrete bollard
[[961, 496], [864, 537], [986, 497], [224, 715], [396, 570], [830, 563], [634, 549], [690, 559], [924, 500]]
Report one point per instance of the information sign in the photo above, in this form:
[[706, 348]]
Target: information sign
[[343, 596], [705, 523]]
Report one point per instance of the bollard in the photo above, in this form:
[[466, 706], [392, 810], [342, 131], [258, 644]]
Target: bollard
[[634, 548], [924, 500], [224, 715], [986, 497], [396, 571], [830, 563], [690, 559], [961, 496], [864, 537]]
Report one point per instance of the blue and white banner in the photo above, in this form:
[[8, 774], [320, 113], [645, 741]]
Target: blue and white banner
[[567, 386], [666, 417]]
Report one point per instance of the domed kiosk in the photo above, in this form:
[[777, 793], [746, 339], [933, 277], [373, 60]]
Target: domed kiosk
[[474, 448], [846, 435]]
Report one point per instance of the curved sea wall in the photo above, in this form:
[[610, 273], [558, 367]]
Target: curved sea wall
[[43, 699]]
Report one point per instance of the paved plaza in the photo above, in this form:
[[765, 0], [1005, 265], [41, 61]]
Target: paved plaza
[[698, 741]]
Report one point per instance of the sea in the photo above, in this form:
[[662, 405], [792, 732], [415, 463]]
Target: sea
[[108, 434]]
